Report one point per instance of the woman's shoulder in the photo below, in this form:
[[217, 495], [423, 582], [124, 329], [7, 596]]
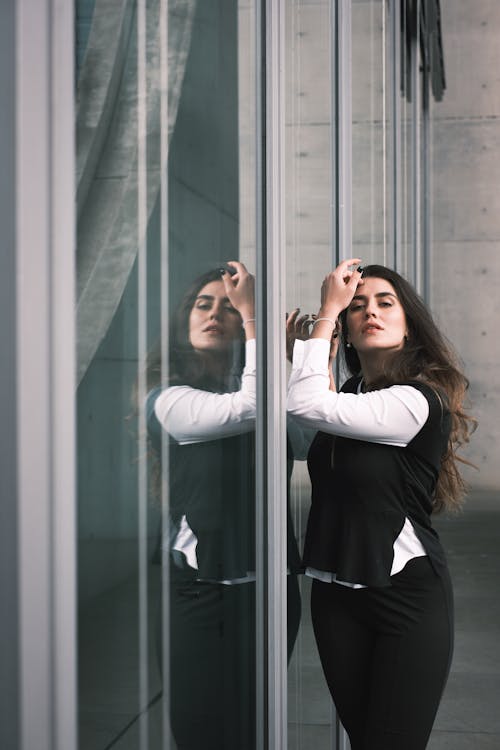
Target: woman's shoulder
[[436, 397], [432, 439]]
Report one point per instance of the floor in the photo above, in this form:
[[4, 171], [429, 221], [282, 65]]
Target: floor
[[469, 716]]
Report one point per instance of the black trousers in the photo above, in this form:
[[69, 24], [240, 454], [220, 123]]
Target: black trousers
[[213, 662], [386, 654]]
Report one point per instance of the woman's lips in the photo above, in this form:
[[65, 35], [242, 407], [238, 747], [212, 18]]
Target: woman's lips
[[213, 329]]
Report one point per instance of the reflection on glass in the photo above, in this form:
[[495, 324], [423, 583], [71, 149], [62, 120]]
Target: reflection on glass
[[207, 414]]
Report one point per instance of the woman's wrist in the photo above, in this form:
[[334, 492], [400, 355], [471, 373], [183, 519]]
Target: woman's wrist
[[247, 313], [332, 312], [323, 329], [249, 328], [324, 324]]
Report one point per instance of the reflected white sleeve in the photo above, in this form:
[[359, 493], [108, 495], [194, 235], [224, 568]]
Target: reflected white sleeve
[[300, 438], [392, 416], [191, 415]]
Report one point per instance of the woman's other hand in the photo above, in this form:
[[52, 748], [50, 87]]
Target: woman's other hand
[[296, 328]]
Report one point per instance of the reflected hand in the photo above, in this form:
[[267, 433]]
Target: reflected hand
[[296, 328], [335, 341]]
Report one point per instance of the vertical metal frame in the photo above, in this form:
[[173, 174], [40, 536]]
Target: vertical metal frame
[[341, 118], [416, 147], [271, 383], [9, 653], [426, 186], [394, 10], [341, 179], [164, 312], [142, 347], [45, 227]]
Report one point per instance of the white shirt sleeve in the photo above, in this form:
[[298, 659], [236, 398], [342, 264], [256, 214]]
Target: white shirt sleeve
[[191, 415], [392, 416]]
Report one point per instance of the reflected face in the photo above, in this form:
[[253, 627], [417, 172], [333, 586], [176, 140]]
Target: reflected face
[[213, 322], [376, 320]]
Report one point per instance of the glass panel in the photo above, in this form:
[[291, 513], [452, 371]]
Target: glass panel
[[309, 254], [166, 413], [312, 207]]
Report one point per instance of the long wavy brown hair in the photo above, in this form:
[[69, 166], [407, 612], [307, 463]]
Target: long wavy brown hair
[[427, 356]]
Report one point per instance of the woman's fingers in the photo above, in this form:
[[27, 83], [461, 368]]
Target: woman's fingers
[[339, 286], [291, 318], [344, 265], [239, 267], [298, 327], [227, 280], [240, 289]]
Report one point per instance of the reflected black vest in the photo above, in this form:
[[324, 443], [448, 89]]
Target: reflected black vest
[[213, 484]]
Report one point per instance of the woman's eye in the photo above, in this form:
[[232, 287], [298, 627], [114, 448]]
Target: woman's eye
[[203, 306], [353, 308]]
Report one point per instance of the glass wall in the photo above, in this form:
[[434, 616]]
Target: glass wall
[[218, 142], [356, 183], [282, 133], [166, 394]]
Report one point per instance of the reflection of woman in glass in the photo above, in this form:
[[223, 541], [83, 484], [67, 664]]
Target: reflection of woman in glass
[[208, 411], [382, 462]]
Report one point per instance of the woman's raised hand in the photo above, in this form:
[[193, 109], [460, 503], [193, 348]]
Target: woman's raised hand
[[240, 289], [339, 287]]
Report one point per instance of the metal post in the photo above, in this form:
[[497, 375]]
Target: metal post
[[416, 146], [395, 152], [45, 256], [271, 423], [341, 119], [426, 187], [164, 327]]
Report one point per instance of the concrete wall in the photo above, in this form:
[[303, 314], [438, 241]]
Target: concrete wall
[[466, 217]]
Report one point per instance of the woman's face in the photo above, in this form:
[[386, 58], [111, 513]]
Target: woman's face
[[213, 322], [375, 319]]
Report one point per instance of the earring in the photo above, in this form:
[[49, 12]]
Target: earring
[[349, 345]]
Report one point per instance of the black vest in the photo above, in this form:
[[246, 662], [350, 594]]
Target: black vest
[[362, 493]]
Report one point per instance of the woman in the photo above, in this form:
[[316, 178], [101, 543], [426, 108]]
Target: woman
[[382, 462], [207, 414]]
